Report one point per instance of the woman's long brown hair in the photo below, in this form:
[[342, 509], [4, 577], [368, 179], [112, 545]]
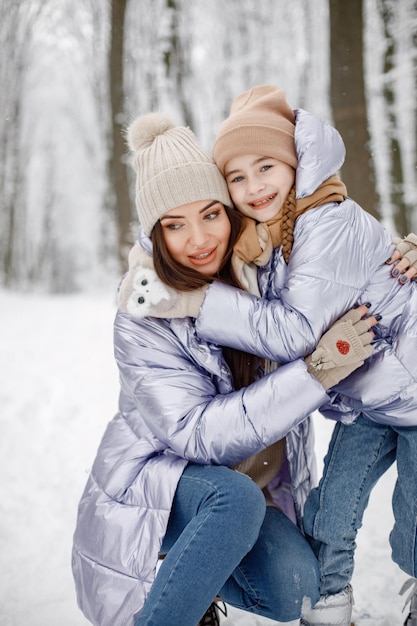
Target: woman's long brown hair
[[242, 365]]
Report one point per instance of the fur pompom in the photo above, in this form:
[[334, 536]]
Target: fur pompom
[[142, 132]]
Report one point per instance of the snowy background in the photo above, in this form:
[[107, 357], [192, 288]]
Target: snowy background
[[61, 211], [58, 389], [59, 382]]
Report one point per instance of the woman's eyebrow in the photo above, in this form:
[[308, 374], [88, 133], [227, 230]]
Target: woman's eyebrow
[[212, 203], [171, 217], [176, 217]]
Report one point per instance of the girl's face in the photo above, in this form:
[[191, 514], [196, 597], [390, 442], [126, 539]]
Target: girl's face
[[259, 185], [197, 235]]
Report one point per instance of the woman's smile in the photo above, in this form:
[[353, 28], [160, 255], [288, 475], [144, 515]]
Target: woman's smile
[[201, 258]]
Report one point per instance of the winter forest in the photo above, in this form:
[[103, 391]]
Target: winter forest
[[75, 72]]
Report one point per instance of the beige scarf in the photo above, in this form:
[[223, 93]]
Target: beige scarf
[[257, 240]]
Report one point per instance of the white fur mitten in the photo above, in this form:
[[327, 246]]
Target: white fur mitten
[[143, 294]]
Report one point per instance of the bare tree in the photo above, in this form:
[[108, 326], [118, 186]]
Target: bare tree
[[399, 206], [118, 166], [16, 23], [94, 47], [176, 59], [349, 102]]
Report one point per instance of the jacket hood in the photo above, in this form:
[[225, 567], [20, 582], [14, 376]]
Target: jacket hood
[[320, 151], [145, 241]]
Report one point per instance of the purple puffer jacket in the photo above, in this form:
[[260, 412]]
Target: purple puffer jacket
[[177, 404], [338, 260]]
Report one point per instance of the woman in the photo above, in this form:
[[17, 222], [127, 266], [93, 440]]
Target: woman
[[162, 483]]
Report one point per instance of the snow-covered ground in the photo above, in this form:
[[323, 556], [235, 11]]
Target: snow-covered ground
[[58, 389]]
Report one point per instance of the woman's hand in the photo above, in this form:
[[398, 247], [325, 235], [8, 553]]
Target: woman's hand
[[143, 294], [343, 348], [406, 255]]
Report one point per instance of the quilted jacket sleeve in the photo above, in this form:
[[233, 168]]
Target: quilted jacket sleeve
[[336, 250], [170, 396]]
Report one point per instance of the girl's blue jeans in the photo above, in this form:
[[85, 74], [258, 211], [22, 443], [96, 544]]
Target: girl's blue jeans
[[223, 540], [358, 455]]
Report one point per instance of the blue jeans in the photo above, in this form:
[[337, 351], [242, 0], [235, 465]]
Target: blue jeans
[[358, 455], [223, 540]]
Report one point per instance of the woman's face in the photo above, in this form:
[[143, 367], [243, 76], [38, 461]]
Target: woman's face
[[197, 235], [259, 185]]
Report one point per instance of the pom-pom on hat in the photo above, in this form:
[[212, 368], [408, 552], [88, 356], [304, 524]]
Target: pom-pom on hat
[[260, 122], [171, 168]]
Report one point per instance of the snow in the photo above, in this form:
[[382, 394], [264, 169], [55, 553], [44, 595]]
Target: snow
[[59, 387]]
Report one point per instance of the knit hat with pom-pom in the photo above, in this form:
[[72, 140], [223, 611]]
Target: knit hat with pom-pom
[[171, 168]]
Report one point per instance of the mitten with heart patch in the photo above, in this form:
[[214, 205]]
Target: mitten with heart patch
[[341, 350]]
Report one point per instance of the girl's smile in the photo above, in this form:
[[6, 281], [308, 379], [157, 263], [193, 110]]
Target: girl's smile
[[263, 202], [259, 185]]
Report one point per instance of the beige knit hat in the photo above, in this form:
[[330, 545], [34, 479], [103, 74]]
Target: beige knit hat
[[171, 168], [260, 122]]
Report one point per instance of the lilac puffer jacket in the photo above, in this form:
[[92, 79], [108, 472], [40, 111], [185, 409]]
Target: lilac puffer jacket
[[177, 404], [338, 260]]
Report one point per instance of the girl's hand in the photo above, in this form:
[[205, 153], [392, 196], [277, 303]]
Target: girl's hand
[[405, 259], [343, 348]]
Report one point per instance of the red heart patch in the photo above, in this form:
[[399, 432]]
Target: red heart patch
[[343, 346]]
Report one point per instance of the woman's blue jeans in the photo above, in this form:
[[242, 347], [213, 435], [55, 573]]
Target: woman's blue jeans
[[223, 540], [358, 455]]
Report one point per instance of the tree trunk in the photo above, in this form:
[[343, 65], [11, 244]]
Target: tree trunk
[[349, 102], [399, 207], [176, 61], [16, 31], [118, 167]]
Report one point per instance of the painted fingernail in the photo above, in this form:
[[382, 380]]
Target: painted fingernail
[[388, 260], [368, 305], [403, 279], [395, 272], [378, 318]]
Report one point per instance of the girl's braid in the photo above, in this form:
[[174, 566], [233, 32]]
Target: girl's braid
[[288, 222]]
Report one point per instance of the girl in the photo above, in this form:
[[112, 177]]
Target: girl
[[279, 166], [162, 483], [306, 242]]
